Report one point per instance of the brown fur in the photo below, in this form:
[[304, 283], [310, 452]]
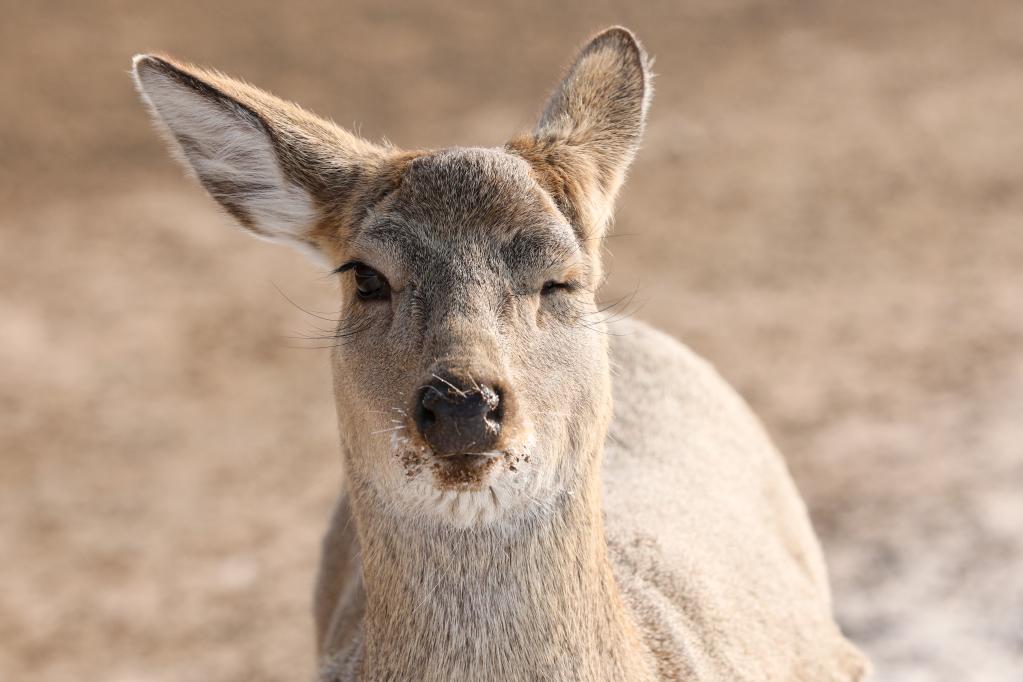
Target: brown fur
[[434, 570]]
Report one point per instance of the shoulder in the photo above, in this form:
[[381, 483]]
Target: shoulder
[[687, 455], [705, 527]]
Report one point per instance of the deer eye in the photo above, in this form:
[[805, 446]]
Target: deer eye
[[553, 286], [370, 285]]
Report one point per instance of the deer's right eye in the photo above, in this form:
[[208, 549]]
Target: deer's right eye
[[370, 285]]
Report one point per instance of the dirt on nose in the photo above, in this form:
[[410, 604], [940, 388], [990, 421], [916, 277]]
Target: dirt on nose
[[462, 472]]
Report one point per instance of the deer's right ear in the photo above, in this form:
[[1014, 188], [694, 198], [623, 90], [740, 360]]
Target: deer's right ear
[[277, 169]]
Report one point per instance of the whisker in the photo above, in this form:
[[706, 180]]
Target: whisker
[[453, 387], [429, 593], [612, 236], [396, 428], [304, 310]]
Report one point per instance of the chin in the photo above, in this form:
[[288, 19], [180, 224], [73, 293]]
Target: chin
[[467, 491]]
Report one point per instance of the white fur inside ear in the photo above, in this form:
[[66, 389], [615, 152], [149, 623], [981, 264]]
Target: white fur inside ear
[[231, 154]]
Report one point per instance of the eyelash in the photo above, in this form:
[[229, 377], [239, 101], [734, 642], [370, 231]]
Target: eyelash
[[346, 266]]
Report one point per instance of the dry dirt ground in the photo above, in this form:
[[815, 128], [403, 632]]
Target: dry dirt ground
[[828, 206]]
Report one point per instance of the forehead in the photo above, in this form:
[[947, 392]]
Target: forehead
[[485, 187], [469, 198]]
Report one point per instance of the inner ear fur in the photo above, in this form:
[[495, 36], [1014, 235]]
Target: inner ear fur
[[590, 129]]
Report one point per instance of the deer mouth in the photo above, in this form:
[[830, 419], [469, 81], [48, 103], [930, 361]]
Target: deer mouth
[[465, 471]]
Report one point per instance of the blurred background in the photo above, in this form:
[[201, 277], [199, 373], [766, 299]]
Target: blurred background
[[828, 206]]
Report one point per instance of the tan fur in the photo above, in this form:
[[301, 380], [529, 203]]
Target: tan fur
[[676, 549]]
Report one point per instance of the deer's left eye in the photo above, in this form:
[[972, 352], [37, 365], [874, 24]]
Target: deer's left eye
[[553, 286], [370, 285]]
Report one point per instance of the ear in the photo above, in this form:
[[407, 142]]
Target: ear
[[590, 129], [277, 169]]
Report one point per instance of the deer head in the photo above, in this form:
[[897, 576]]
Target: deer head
[[470, 372]]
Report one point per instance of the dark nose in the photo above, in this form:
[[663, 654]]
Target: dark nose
[[458, 418]]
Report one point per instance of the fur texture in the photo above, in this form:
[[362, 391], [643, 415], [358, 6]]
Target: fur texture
[[676, 550]]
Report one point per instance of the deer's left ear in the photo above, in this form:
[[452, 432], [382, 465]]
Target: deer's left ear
[[277, 169], [591, 127]]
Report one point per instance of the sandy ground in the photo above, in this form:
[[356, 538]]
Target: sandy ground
[[829, 206]]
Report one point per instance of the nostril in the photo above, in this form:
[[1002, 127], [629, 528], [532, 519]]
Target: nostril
[[494, 401], [425, 416]]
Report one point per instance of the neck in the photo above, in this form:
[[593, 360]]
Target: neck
[[532, 601]]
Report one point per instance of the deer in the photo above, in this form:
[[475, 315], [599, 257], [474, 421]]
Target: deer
[[530, 492]]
